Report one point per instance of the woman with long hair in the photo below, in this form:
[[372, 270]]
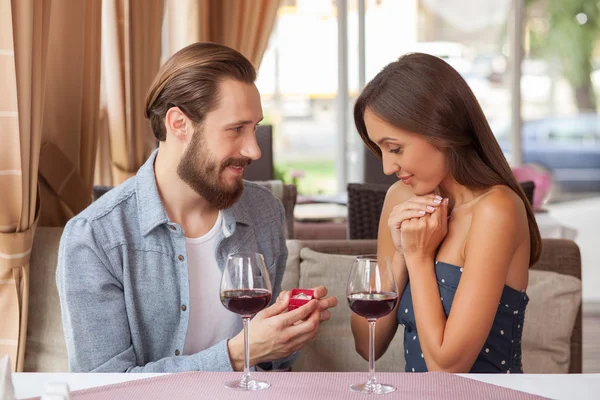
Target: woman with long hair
[[457, 226]]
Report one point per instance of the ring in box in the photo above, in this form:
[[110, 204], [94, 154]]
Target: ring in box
[[300, 297]]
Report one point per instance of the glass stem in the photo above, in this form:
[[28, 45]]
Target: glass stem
[[246, 377], [372, 380]]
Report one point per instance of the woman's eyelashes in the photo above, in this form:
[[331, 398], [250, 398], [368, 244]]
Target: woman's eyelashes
[[395, 150]]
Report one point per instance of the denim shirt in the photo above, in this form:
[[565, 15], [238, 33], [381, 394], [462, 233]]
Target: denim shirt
[[122, 277]]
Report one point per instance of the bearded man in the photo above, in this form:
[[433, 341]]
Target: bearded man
[[139, 270]]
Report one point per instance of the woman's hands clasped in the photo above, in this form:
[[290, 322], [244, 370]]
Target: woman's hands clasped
[[419, 225]]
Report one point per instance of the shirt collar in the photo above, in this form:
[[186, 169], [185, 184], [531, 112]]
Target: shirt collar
[[152, 212]]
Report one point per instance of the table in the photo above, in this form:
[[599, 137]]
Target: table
[[322, 221], [550, 228], [318, 212], [328, 221], [572, 386]]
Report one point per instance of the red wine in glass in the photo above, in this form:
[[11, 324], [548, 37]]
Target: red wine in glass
[[245, 290], [372, 294], [372, 305], [245, 301]]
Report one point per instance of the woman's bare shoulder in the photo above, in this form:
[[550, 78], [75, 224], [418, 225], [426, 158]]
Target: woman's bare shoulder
[[500, 202]]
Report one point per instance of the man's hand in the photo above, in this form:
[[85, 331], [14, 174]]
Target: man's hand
[[325, 303], [275, 333]]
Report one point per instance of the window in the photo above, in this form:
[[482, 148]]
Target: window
[[469, 35], [559, 85], [298, 84]]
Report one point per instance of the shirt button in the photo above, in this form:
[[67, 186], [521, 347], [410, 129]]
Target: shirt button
[[183, 307], [177, 352], [180, 258]]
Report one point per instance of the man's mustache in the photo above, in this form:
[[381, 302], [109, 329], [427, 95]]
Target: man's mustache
[[236, 162]]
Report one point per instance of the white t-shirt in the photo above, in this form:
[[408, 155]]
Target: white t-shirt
[[209, 321]]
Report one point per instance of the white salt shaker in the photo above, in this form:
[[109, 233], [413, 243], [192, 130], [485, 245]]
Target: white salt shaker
[[57, 391], [53, 397]]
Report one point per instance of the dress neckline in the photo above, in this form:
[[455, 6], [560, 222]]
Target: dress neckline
[[460, 269]]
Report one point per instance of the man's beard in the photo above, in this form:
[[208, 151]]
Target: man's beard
[[203, 174]]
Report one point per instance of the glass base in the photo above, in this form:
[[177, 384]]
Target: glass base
[[250, 385], [372, 388]]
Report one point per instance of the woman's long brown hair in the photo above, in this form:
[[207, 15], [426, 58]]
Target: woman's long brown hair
[[423, 94]]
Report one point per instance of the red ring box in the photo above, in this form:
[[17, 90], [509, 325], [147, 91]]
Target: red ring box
[[296, 303]]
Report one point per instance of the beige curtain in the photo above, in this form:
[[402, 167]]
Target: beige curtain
[[70, 123], [131, 47], [181, 23], [244, 25], [102, 172], [24, 28]]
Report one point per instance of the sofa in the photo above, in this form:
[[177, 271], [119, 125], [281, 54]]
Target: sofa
[[552, 334]]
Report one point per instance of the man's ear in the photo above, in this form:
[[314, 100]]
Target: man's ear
[[178, 124]]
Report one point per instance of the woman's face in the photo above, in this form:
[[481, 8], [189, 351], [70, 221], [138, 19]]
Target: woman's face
[[409, 156]]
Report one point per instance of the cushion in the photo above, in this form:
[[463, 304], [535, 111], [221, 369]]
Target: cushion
[[291, 276], [333, 348], [45, 350], [554, 301]]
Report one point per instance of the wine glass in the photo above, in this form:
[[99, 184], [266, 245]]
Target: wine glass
[[245, 290], [371, 293]]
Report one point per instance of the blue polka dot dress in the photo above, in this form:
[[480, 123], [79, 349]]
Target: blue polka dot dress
[[501, 352]]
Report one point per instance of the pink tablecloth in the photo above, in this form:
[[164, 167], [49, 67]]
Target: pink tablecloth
[[309, 385]]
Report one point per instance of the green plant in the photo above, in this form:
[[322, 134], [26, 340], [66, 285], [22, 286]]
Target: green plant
[[572, 32], [281, 173]]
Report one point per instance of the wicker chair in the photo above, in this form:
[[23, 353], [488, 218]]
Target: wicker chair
[[528, 187], [365, 202]]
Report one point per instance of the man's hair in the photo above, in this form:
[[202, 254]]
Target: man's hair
[[190, 81]]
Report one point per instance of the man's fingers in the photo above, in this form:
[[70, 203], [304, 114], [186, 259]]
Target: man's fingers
[[283, 294], [310, 324], [276, 308], [300, 313], [325, 315], [319, 292], [328, 302]]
